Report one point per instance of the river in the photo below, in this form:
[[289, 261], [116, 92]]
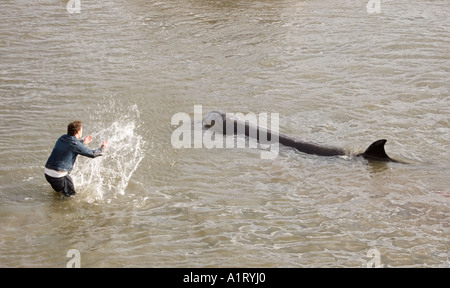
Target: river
[[338, 73]]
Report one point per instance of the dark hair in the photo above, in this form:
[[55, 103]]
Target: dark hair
[[73, 128]]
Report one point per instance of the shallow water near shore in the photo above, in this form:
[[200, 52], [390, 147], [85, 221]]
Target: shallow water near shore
[[335, 74]]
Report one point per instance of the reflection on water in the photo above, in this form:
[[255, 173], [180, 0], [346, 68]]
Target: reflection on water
[[335, 74]]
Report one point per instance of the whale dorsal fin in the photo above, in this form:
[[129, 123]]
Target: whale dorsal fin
[[376, 151]]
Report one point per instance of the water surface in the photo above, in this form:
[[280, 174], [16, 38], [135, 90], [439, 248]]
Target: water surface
[[334, 73]]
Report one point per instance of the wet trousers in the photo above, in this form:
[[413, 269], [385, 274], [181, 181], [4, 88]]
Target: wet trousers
[[62, 184]]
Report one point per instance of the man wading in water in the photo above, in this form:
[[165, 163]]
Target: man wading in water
[[64, 155]]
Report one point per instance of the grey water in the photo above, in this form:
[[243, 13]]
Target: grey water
[[337, 73]]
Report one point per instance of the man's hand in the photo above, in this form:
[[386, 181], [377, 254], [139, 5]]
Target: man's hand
[[87, 140], [105, 144]]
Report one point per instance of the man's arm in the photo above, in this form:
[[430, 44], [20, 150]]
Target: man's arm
[[84, 151]]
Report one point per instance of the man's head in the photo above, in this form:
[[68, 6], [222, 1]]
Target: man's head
[[75, 129]]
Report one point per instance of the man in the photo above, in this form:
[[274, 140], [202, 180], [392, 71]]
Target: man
[[64, 155]]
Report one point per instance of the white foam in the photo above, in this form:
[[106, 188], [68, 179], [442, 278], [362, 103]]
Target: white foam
[[111, 173]]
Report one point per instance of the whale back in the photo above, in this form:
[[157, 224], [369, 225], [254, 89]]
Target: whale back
[[374, 152]]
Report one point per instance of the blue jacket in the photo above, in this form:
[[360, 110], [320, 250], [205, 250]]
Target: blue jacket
[[65, 153]]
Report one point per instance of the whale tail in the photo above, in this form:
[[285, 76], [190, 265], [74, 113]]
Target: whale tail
[[376, 152]]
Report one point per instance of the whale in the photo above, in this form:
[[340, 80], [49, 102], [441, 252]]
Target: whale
[[228, 124]]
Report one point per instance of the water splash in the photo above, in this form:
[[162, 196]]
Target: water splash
[[111, 173]]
